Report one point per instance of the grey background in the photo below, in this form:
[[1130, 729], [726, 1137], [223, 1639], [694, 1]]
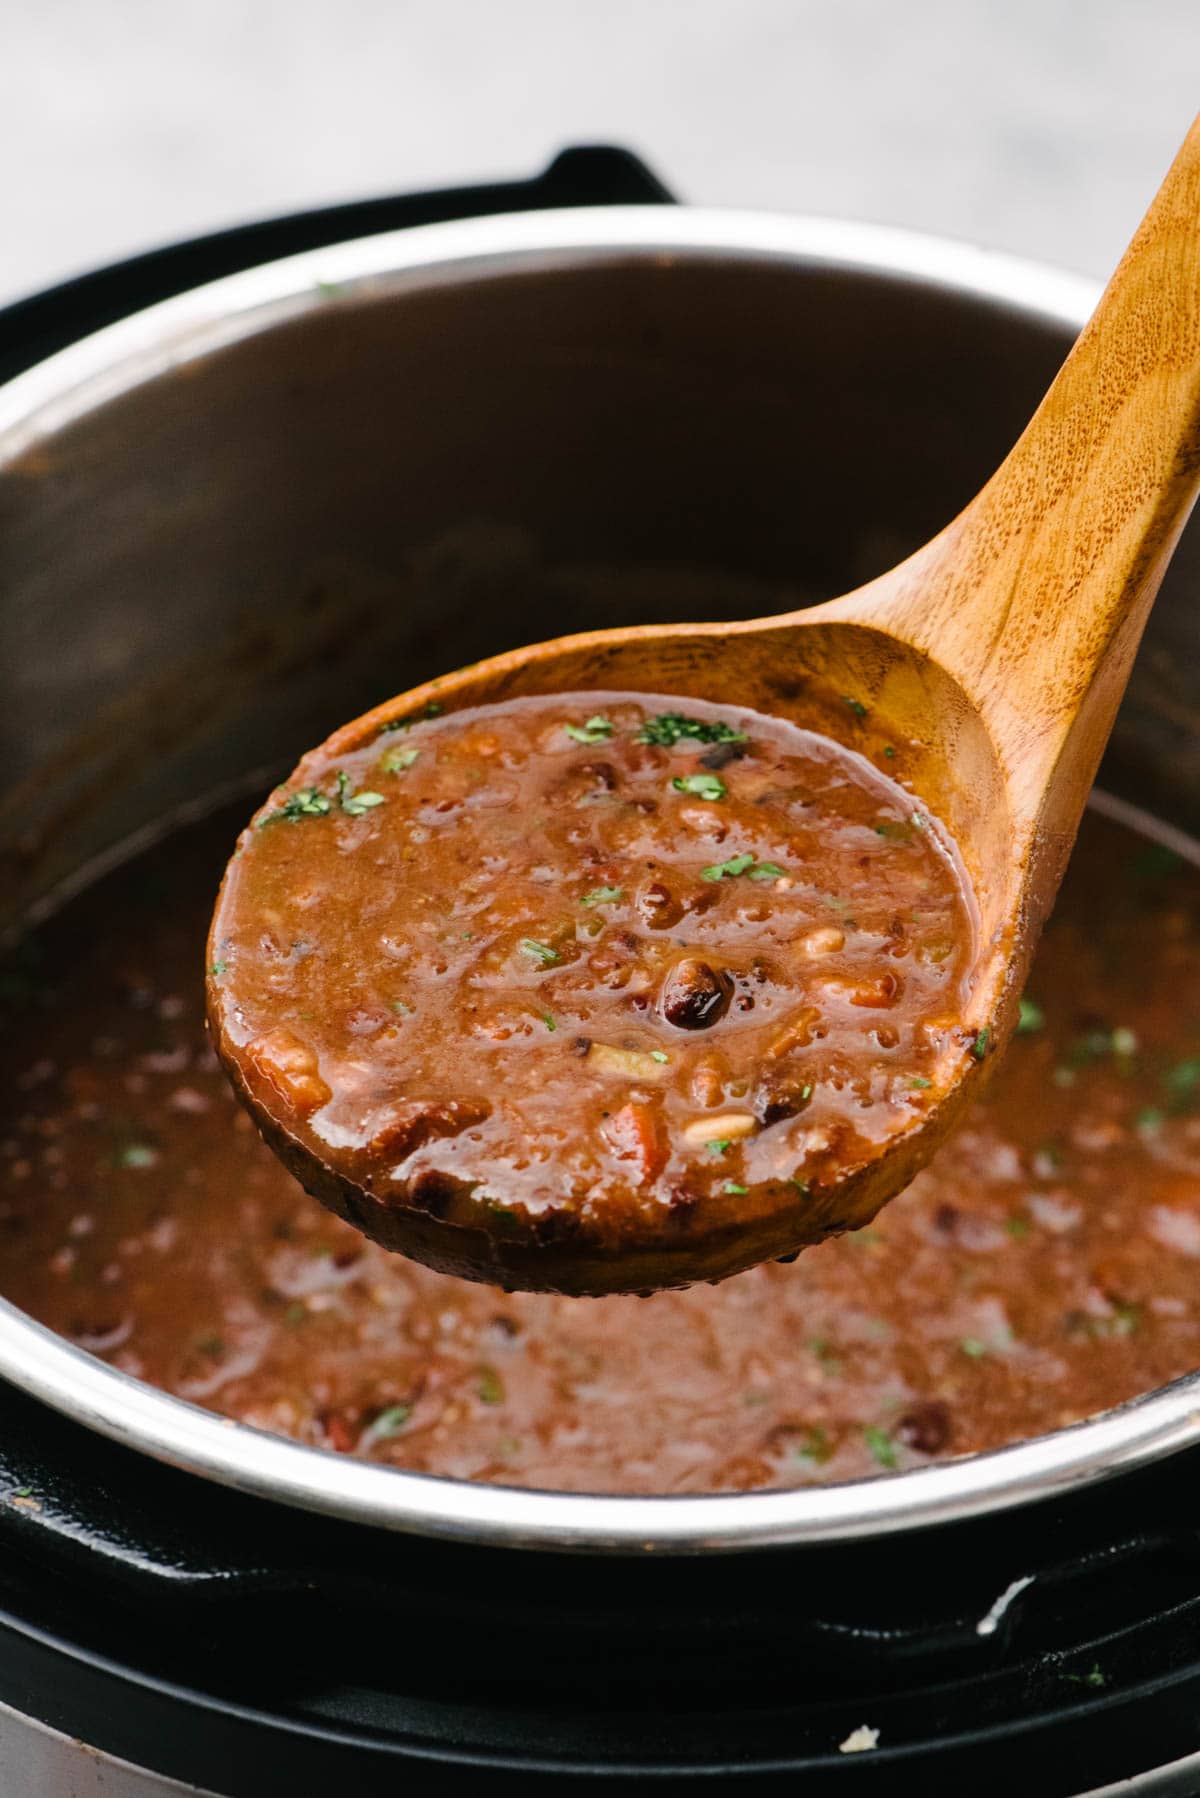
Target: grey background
[[1040, 126]]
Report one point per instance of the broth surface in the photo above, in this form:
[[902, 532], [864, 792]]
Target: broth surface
[[1044, 1267], [588, 977]]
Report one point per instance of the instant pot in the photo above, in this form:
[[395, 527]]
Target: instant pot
[[250, 486]]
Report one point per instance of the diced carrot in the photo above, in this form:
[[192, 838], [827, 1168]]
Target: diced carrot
[[633, 1135]]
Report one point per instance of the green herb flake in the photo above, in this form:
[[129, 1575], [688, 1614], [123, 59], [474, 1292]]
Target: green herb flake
[[1017, 1226], [136, 1154], [305, 802], [217, 968], [1094, 1678], [547, 1020], [974, 1347], [602, 896], [390, 1422], [397, 760], [814, 1446], [1182, 1080], [979, 1047], [742, 864], [737, 864], [888, 751], [659, 1055], [800, 1185], [731, 1186], [295, 1313], [883, 1449], [23, 1492], [1031, 1018], [355, 804], [856, 705], [403, 1007], [671, 728], [701, 786], [1150, 1120], [540, 951], [490, 1387], [719, 1144], [919, 1080], [594, 731]]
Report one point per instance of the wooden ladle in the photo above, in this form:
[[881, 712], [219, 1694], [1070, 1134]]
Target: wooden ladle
[[997, 655]]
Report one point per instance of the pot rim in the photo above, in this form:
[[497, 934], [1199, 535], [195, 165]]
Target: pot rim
[[112, 361]]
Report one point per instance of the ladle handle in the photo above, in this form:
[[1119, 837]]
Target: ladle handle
[[1035, 597]]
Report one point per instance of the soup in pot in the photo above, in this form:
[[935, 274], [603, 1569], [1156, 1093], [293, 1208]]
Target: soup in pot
[[1044, 1266]]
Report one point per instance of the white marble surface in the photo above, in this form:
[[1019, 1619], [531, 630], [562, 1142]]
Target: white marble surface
[[1040, 126]]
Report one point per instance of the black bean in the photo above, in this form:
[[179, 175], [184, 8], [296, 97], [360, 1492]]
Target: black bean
[[925, 1427], [694, 995], [779, 1093]]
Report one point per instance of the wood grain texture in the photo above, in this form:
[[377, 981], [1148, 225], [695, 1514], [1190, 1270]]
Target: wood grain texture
[[994, 659]]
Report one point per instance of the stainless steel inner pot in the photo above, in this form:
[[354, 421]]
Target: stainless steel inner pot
[[239, 517]]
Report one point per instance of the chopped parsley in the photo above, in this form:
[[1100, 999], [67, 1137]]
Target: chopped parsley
[[217, 968], [742, 864], [733, 1187], [718, 1145], [919, 1080], [659, 1055], [305, 802], [815, 1446], [973, 1346], [670, 728], [490, 1387], [594, 731], [1031, 1018], [882, 1448], [1094, 1678], [136, 1154], [540, 951], [1150, 1119], [979, 1047], [737, 864], [433, 709], [547, 1020], [390, 1422], [888, 751], [800, 1185], [352, 803], [704, 786], [856, 705], [397, 760], [602, 896], [1182, 1080]]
